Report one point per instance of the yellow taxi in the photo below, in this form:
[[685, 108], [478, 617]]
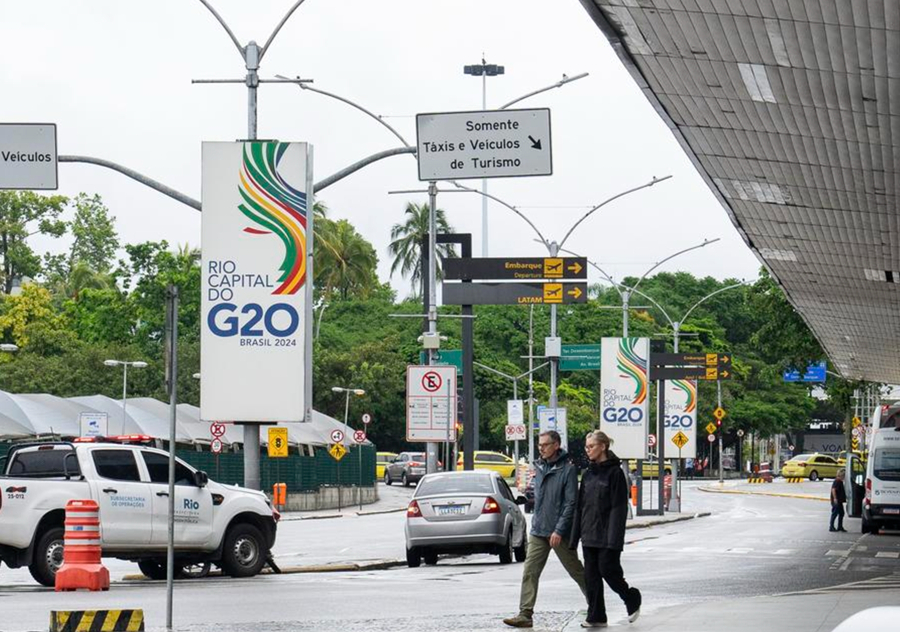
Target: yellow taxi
[[486, 460], [812, 466], [381, 460], [650, 468]]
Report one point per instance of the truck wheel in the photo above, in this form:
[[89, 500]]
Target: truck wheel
[[152, 569], [245, 552], [48, 557], [195, 571]]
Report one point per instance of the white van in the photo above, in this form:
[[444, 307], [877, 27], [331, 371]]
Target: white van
[[881, 506]]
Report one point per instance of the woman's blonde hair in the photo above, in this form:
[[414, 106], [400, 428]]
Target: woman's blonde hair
[[598, 436]]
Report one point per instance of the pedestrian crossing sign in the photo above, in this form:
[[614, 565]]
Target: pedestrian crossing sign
[[338, 451], [680, 439]]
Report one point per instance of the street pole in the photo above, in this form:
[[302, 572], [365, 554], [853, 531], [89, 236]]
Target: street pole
[[554, 360], [431, 446], [531, 385], [124, 394], [172, 309], [516, 442], [721, 432]]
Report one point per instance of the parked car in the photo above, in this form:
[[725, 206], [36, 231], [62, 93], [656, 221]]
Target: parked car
[[464, 512], [650, 467], [812, 466], [495, 461], [406, 467], [225, 525], [381, 461]]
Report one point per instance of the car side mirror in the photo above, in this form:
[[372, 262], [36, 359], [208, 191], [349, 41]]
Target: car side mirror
[[520, 500], [201, 478]]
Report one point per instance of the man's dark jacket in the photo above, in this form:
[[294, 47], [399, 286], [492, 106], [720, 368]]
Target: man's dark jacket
[[602, 507], [555, 487]]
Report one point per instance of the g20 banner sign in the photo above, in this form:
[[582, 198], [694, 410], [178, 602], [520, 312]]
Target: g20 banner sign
[[681, 416], [625, 388], [254, 280]]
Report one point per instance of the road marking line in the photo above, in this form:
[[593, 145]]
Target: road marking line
[[891, 554], [840, 553]]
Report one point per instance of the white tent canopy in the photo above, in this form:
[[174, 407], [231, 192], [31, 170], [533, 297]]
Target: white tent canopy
[[28, 415]]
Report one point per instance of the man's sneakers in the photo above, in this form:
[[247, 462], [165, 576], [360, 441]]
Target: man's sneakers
[[519, 621], [633, 604]]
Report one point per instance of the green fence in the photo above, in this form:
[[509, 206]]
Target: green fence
[[300, 473]]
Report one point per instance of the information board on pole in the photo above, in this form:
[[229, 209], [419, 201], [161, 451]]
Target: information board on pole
[[431, 403], [513, 268], [513, 293], [580, 358], [93, 424], [555, 419], [254, 274], [28, 158], [278, 443], [484, 144], [681, 418], [625, 394], [515, 411]]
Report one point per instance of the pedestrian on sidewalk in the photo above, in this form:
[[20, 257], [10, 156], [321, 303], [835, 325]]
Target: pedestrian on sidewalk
[[838, 498], [555, 488], [689, 467], [599, 523]]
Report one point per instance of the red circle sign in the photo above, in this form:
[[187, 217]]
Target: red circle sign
[[432, 381], [216, 446], [651, 440], [217, 429], [359, 436], [711, 438]]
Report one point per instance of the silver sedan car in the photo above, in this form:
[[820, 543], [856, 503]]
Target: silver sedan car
[[464, 512]]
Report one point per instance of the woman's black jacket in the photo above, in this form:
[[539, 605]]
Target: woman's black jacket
[[602, 506]]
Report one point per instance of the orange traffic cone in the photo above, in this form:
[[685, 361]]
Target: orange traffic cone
[[81, 566]]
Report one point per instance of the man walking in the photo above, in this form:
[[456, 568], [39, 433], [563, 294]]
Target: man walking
[[838, 498], [555, 493]]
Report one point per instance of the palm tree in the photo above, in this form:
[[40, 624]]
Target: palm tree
[[406, 243], [344, 261]]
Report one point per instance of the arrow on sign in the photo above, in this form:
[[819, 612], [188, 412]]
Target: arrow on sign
[[535, 144], [575, 292], [574, 268]]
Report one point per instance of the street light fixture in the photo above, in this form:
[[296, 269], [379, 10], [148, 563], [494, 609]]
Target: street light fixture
[[348, 391], [138, 364], [9, 347]]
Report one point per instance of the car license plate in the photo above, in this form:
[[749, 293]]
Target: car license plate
[[451, 510], [892, 511]]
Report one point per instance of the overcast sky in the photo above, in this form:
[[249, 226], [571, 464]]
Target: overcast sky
[[116, 79]]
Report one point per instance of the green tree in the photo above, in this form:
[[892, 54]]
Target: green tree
[[344, 261], [22, 215], [94, 232], [406, 243]]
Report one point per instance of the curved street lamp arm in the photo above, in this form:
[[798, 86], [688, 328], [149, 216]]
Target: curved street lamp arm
[[224, 26], [558, 84], [509, 206], [304, 86], [286, 17], [615, 284], [346, 171], [658, 306], [138, 177], [706, 242], [605, 202], [710, 295]]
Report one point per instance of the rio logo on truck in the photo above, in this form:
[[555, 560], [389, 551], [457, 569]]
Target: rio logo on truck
[[624, 382]]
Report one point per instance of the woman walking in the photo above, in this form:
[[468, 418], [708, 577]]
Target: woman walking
[[601, 513]]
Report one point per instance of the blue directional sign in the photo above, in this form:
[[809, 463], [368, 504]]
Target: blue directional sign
[[815, 372]]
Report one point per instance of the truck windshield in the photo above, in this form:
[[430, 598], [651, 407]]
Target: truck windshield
[[43, 464], [886, 464]]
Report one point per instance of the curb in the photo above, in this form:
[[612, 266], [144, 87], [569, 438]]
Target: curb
[[380, 511], [711, 490], [645, 525], [342, 515]]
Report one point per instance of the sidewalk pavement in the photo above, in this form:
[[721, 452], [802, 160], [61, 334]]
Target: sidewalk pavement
[[779, 487], [812, 611]]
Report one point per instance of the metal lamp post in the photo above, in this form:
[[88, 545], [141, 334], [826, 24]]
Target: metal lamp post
[[138, 364], [348, 391]]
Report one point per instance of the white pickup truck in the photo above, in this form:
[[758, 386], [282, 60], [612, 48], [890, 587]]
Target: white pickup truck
[[231, 527]]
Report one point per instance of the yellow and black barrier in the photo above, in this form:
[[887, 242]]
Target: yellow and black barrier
[[97, 621], [794, 479], [758, 479]]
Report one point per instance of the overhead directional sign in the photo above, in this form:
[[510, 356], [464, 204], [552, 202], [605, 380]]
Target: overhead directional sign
[[514, 269], [815, 372], [28, 156], [580, 358], [514, 293], [484, 144], [689, 373], [691, 359]]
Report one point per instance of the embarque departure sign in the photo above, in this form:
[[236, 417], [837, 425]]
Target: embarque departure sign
[[254, 276], [484, 144]]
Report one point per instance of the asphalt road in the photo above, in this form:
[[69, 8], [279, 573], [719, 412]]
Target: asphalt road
[[750, 546]]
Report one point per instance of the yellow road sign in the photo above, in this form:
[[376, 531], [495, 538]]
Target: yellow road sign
[[574, 267], [712, 374], [680, 439], [553, 268], [719, 413], [710, 427], [278, 443], [553, 292], [338, 451], [856, 421], [575, 292]]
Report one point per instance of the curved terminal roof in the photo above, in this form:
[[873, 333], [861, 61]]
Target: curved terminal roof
[[788, 109]]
